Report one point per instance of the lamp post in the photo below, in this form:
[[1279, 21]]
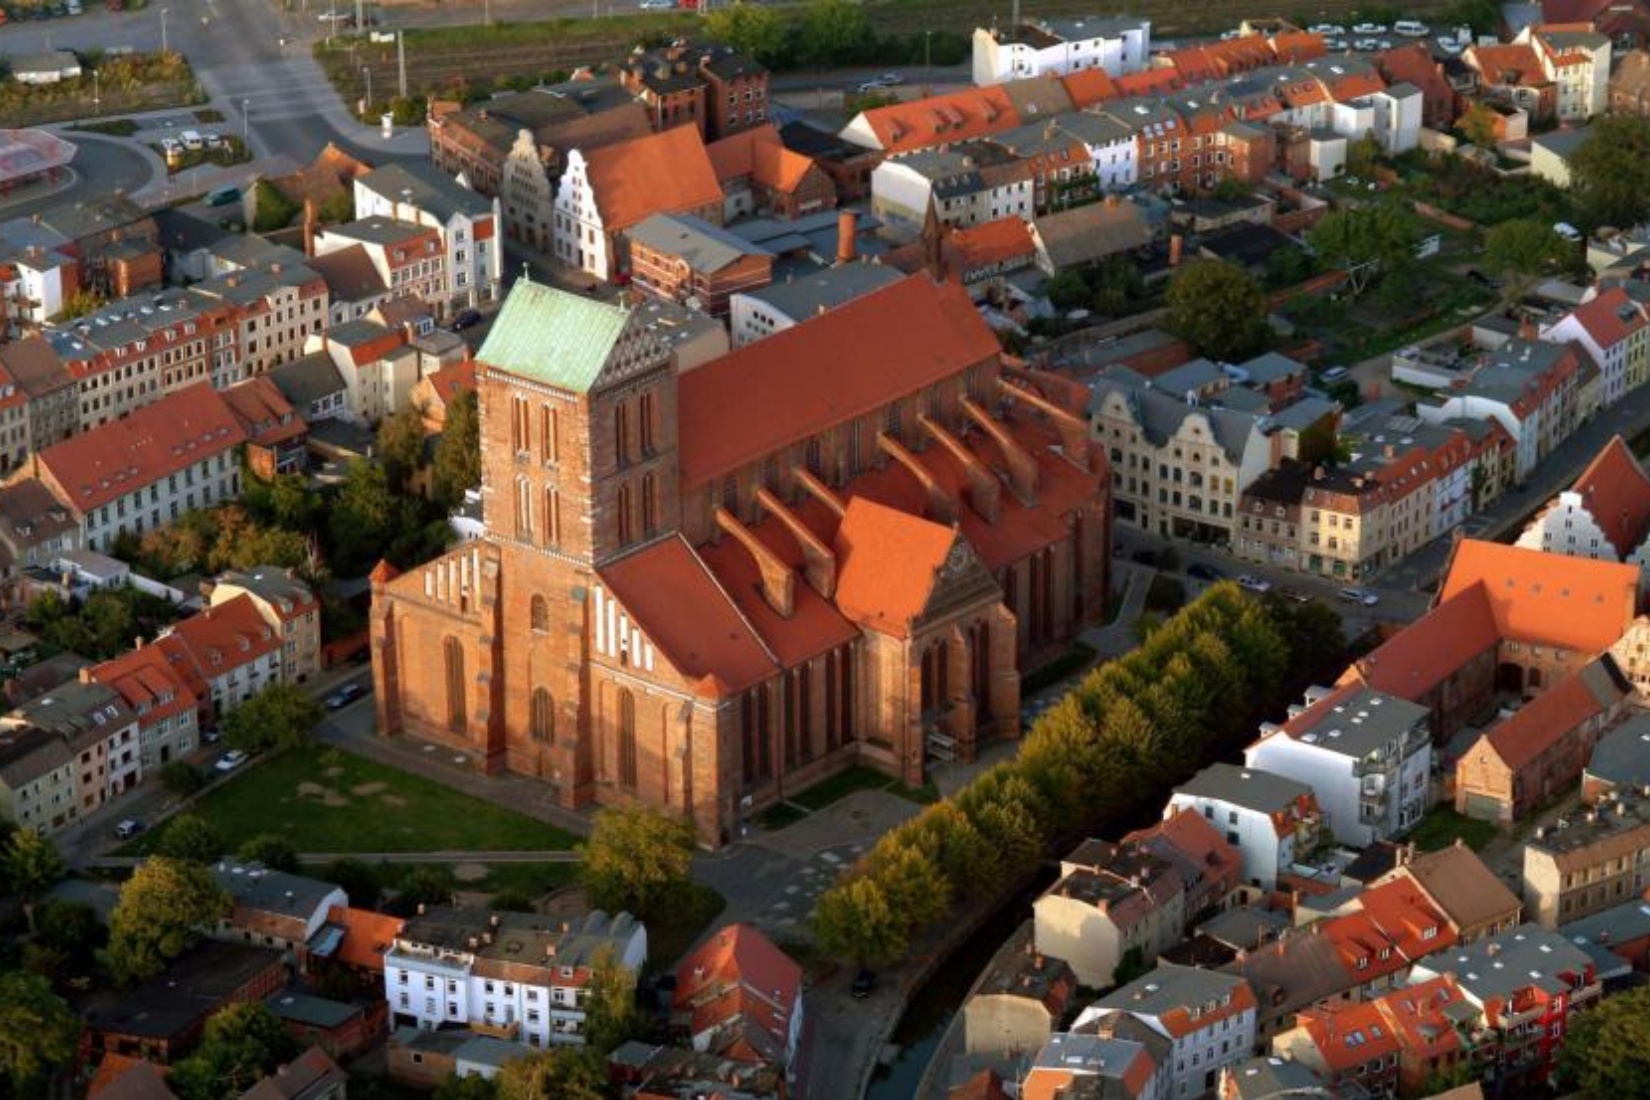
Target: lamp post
[[927, 56], [163, 45], [97, 93], [246, 121], [366, 71]]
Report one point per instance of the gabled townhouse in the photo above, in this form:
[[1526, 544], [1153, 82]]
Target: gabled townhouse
[[1114, 154], [36, 282], [1614, 330], [1124, 903], [1524, 761], [1530, 387], [145, 470], [160, 695], [1018, 1005], [1271, 820], [1113, 44], [288, 912], [37, 780], [436, 392], [1075, 1063], [1576, 59], [377, 364], [51, 408], [1414, 64], [99, 731], [512, 976], [933, 121], [759, 174], [608, 190], [354, 285], [468, 223], [1393, 1045], [1524, 989], [1472, 898], [740, 997], [227, 653], [714, 88], [276, 306], [1367, 757], [1207, 1016], [1297, 969], [285, 603], [135, 351], [1382, 931], [1588, 861], [1604, 516], [408, 257], [964, 184], [35, 529], [1210, 869], [1513, 74], [313, 386], [275, 433]]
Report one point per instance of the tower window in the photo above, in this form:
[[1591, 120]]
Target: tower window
[[644, 414], [627, 738], [623, 508], [621, 434]]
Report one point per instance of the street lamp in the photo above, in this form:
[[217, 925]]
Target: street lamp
[[366, 71], [246, 121], [97, 93], [163, 47], [927, 56]]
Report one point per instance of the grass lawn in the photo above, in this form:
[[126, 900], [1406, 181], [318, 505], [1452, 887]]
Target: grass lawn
[[843, 784], [1440, 828], [116, 127], [328, 800]]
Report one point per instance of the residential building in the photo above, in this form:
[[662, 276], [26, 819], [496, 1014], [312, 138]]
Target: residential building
[[1276, 1078], [763, 311], [1618, 938], [37, 780], [227, 653], [965, 184], [759, 174], [1604, 516], [1526, 760], [468, 224], [36, 280], [275, 433], [35, 530], [683, 259], [1115, 44], [1395, 1044], [354, 285], [146, 469], [288, 605], [1367, 756], [512, 976], [933, 121], [409, 258], [1528, 386], [161, 696], [1550, 155], [275, 306], [287, 912], [1122, 902], [1620, 763], [436, 392], [1210, 869], [99, 730], [1069, 239], [314, 386], [1577, 60], [1588, 862], [1525, 988], [1271, 819], [52, 408], [313, 1075], [1513, 74], [1470, 896], [633, 475], [740, 998], [608, 190], [378, 365], [716, 89], [1017, 1008], [1614, 330], [1414, 64], [1207, 1016], [1072, 1061]]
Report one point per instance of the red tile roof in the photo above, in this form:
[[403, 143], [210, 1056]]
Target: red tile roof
[[942, 119], [664, 173], [1294, 46], [1548, 599], [144, 678], [992, 242], [1544, 721], [1086, 87], [1432, 648], [452, 380], [367, 935], [676, 601], [759, 154], [223, 636], [1148, 81], [1617, 494], [1511, 63], [120, 1077], [1350, 1035], [1611, 317], [96, 467], [826, 371], [888, 562], [266, 416], [741, 986]]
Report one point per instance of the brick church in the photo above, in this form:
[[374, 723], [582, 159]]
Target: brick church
[[706, 589]]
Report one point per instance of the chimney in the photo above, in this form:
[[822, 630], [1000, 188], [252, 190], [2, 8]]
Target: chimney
[[1176, 243], [846, 226], [1527, 329], [312, 219]]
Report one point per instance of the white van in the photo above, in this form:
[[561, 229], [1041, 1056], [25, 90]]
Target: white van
[[192, 139], [1334, 374], [1409, 28]]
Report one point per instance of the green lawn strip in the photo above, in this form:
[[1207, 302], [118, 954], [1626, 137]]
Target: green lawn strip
[[532, 879], [1442, 826], [842, 784], [329, 800], [116, 127]]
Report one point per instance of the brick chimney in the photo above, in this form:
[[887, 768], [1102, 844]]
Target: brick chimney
[[1176, 243], [847, 225], [311, 221]]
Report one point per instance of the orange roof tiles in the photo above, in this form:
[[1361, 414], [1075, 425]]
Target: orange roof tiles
[[759, 154], [815, 626], [1544, 721], [224, 636], [942, 119], [664, 173], [1149, 81], [992, 242], [149, 684], [1514, 63], [739, 979], [1292, 46], [94, 468], [1617, 493], [1086, 87], [1350, 1035], [1548, 599], [367, 935], [677, 603], [452, 380], [825, 372], [266, 416], [889, 561], [1611, 317], [125, 1078], [1180, 1022], [1416, 1014], [1430, 650]]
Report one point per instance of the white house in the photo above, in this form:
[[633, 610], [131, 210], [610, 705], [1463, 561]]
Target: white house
[[1117, 44], [1529, 387], [1398, 110], [1605, 515], [468, 223], [45, 68], [230, 649], [967, 184], [515, 976], [1366, 756], [1614, 330], [1208, 1017], [1577, 59], [274, 908], [1271, 819], [1113, 150]]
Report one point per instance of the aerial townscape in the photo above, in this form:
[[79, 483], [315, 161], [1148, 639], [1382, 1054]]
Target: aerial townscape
[[824, 549]]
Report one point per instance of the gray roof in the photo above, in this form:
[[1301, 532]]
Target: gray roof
[[1271, 367], [1168, 987], [426, 187], [1614, 926], [1365, 721], [271, 583], [1622, 756], [520, 938], [307, 379], [1245, 927], [300, 1007], [1500, 965], [78, 710], [26, 754], [1087, 233], [55, 61], [704, 246], [802, 298], [350, 274], [1562, 143], [380, 231], [1250, 788], [1160, 415], [1086, 1054], [256, 887], [488, 1051], [1301, 969], [1265, 1078], [1093, 26], [1302, 414], [358, 331]]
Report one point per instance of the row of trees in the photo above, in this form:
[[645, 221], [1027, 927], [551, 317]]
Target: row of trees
[[1129, 730], [825, 33]]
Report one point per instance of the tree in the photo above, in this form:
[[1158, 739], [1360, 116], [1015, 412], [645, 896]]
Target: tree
[[401, 443], [37, 1033], [1524, 246], [753, 29], [1067, 290], [835, 31], [357, 879], [471, 1087], [65, 951], [638, 859], [1129, 967], [1363, 157], [192, 837], [281, 716], [241, 1044], [562, 1073], [32, 868], [1607, 1050], [161, 907], [610, 1014], [1477, 125], [458, 452], [426, 886], [181, 778], [365, 517], [271, 209], [854, 921], [1610, 172], [1371, 242], [1219, 309], [270, 849]]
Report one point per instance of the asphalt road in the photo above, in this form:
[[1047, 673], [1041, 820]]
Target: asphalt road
[[101, 167]]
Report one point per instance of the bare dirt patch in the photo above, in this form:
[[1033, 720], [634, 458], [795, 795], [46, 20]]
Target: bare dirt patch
[[326, 796], [367, 790]]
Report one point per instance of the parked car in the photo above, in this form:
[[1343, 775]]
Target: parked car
[[1567, 231], [466, 319], [1369, 28], [891, 80], [1334, 374], [1254, 584], [1327, 29], [1366, 44], [1227, 36], [128, 829], [1199, 571], [344, 696], [1410, 28], [863, 983], [230, 760], [223, 196], [1359, 596], [658, 5]]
